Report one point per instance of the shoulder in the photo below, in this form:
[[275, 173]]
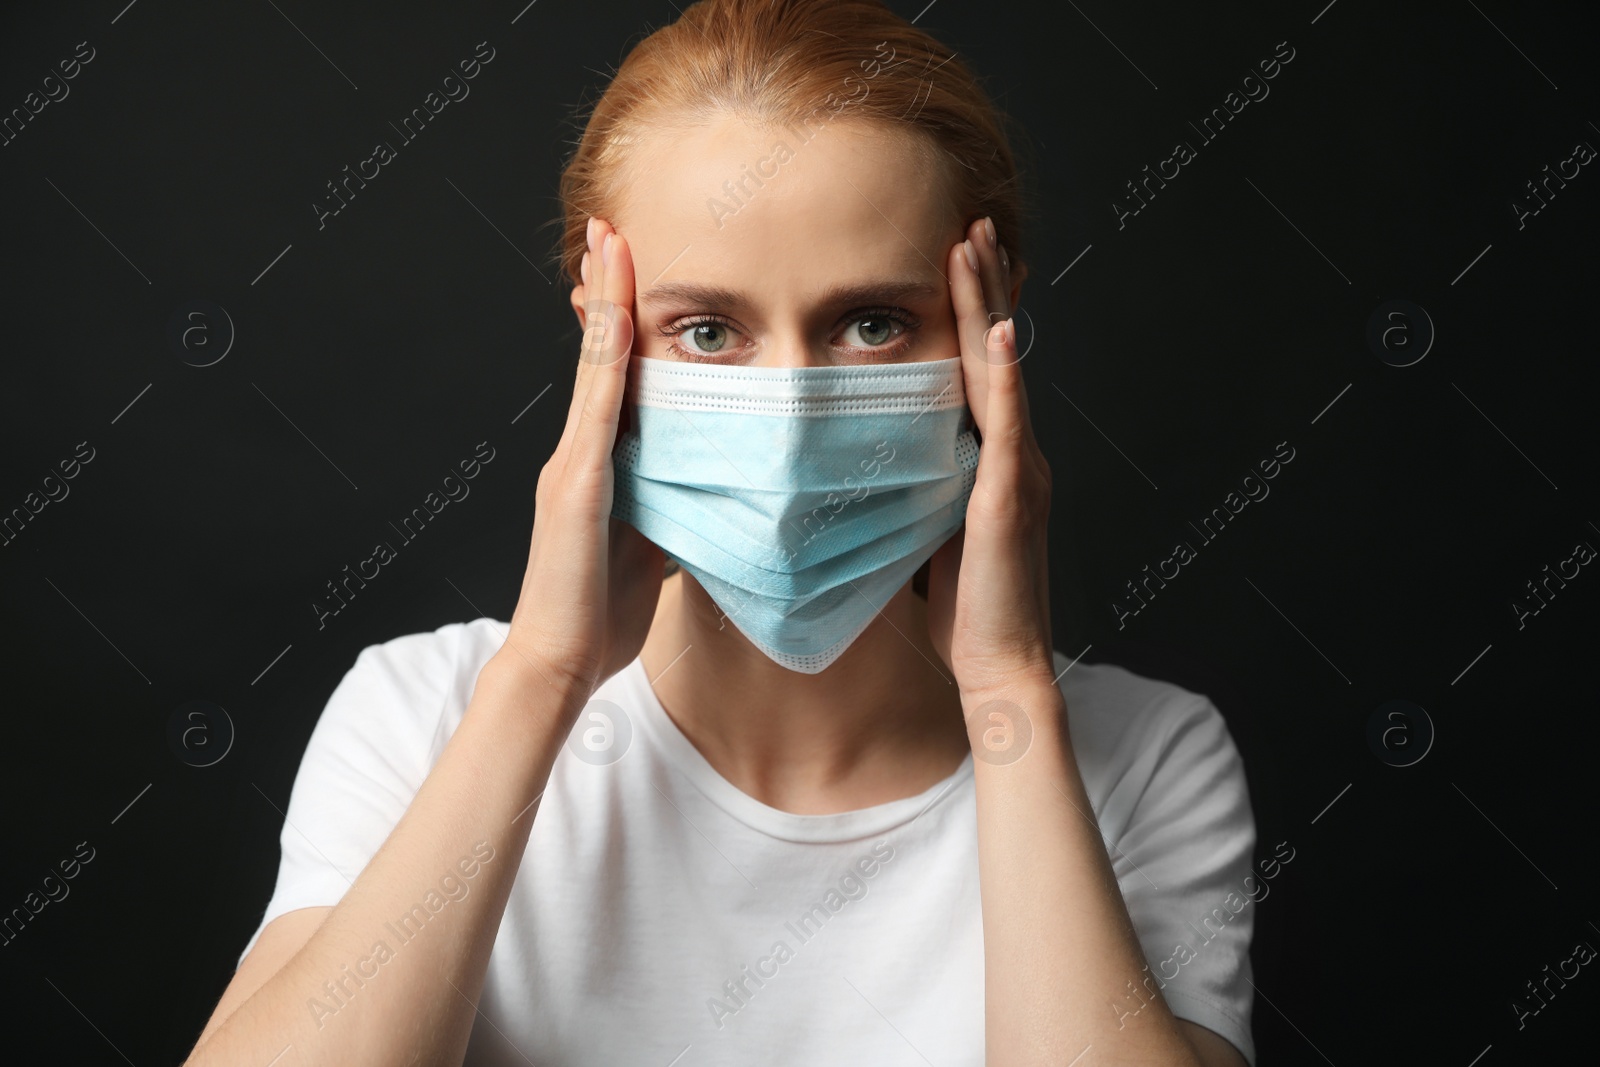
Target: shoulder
[[433, 660], [409, 691], [1110, 708], [375, 742], [1143, 744]]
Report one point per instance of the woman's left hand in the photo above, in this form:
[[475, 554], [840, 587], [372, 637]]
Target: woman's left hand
[[988, 586]]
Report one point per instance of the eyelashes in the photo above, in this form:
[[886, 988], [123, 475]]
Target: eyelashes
[[894, 347]]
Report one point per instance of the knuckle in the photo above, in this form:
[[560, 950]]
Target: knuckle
[[549, 475]]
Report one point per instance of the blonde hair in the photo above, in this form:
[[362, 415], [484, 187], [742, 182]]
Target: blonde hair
[[779, 63]]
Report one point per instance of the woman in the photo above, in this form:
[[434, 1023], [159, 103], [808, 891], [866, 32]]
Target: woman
[[733, 814]]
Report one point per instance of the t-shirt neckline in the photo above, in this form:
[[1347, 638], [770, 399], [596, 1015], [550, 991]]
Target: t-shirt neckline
[[833, 827]]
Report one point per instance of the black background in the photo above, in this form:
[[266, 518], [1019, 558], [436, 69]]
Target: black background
[[1176, 353]]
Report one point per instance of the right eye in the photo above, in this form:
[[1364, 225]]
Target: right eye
[[698, 338], [709, 336]]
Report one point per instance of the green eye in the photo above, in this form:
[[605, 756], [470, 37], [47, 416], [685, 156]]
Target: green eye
[[876, 331], [709, 336], [877, 327]]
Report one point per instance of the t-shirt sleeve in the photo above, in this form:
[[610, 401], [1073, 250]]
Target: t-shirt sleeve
[[367, 757], [1183, 864]]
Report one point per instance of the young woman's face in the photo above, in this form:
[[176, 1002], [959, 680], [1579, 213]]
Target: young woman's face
[[756, 247]]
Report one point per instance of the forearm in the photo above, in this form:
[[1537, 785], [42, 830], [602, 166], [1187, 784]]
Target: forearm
[[412, 999], [1059, 947]]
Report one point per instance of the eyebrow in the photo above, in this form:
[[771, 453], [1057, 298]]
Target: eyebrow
[[853, 295]]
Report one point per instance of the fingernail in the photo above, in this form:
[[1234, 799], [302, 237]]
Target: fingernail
[[1011, 331], [583, 268], [971, 254], [605, 250], [988, 231], [1005, 260], [589, 233]]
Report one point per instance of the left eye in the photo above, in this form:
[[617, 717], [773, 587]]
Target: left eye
[[875, 330]]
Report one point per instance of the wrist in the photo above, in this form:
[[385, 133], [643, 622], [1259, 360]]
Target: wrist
[[525, 692], [1032, 682], [1004, 721]]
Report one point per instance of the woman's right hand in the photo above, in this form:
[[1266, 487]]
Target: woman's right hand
[[590, 590], [588, 598]]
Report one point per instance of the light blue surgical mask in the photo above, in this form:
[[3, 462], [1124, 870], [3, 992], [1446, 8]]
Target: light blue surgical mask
[[800, 498]]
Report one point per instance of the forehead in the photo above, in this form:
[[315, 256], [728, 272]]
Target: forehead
[[729, 201]]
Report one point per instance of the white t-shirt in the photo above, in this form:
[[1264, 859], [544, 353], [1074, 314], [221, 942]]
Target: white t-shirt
[[660, 912]]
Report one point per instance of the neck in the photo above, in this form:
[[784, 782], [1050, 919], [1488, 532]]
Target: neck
[[882, 722]]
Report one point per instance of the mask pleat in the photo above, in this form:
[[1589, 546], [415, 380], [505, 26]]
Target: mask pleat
[[802, 499]]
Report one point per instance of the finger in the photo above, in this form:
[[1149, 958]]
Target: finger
[[580, 298], [580, 386], [1011, 427], [983, 237], [1008, 356], [609, 297], [972, 322], [609, 349], [994, 270], [1006, 434], [983, 247]]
